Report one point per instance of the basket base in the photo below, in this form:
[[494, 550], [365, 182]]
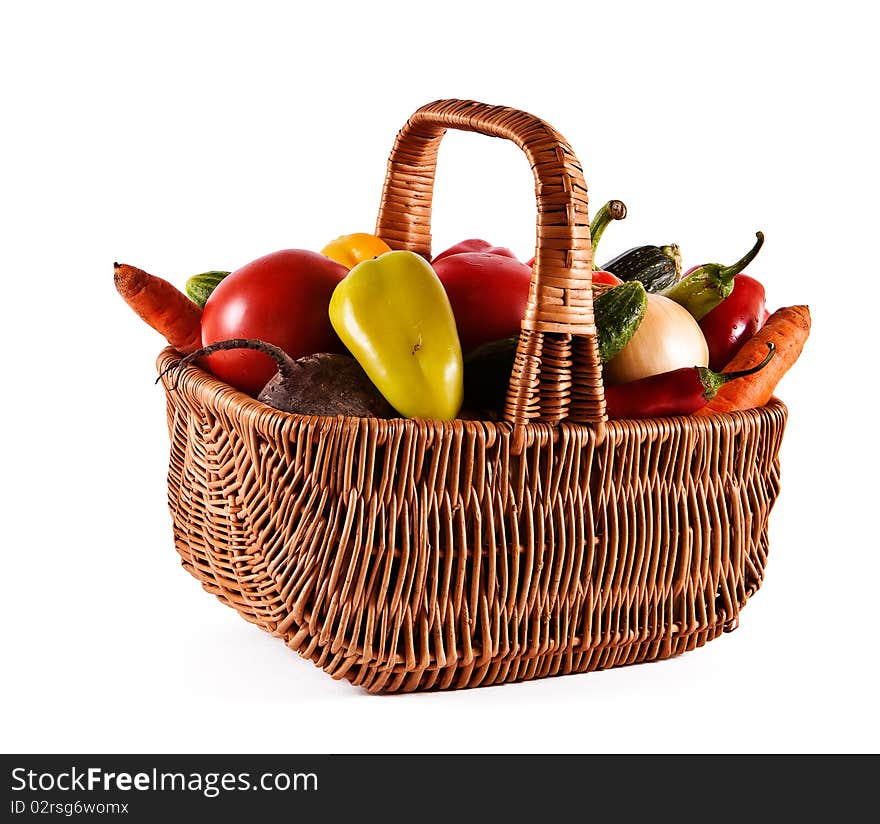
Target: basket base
[[422, 555], [475, 671]]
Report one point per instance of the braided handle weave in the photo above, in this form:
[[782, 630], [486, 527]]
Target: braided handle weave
[[557, 374]]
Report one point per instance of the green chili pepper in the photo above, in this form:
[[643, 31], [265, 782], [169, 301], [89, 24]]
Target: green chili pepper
[[704, 287]]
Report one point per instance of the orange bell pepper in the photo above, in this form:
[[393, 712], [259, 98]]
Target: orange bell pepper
[[350, 250]]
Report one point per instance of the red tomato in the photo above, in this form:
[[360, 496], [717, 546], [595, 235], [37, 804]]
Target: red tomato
[[282, 298], [474, 245], [488, 294]]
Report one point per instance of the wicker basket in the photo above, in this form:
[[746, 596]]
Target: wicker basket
[[415, 554]]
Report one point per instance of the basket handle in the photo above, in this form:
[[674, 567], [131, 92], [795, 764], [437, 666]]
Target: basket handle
[[557, 373]]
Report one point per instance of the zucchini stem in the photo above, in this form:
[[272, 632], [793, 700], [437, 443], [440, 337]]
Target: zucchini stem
[[612, 210]]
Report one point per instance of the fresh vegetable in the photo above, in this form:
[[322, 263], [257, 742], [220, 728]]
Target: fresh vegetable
[[280, 298], [679, 392], [325, 383], [606, 278], [199, 287], [657, 267], [350, 250], [165, 308], [395, 317], [474, 245], [668, 338], [704, 287], [736, 319], [788, 329], [487, 372], [654, 266], [488, 294], [612, 210], [618, 311]]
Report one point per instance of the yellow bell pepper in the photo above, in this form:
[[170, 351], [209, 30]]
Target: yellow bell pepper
[[393, 314], [350, 250]]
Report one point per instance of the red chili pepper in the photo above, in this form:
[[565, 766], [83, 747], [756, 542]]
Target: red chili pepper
[[730, 324], [679, 392]]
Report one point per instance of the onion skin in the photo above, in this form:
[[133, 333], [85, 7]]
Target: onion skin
[[668, 338]]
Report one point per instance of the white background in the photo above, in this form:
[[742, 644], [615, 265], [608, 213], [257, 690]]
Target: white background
[[182, 137]]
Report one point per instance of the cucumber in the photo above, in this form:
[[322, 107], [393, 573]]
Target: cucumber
[[656, 267], [618, 312], [199, 287]]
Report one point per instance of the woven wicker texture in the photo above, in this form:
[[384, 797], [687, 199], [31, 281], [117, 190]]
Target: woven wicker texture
[[556, 373], [407, 554]]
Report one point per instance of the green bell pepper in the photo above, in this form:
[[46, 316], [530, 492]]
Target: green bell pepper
[[394, 316]]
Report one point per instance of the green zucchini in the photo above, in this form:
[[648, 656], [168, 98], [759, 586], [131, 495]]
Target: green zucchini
[[199, 287], [656, 267], [618, 312]]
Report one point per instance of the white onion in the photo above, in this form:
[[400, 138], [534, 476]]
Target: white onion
[[668, 338]]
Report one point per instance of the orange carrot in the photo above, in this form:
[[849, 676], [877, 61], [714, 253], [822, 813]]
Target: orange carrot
[[788, 328], [162, 306]]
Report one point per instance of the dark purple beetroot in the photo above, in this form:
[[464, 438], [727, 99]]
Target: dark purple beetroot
[[321, 384]]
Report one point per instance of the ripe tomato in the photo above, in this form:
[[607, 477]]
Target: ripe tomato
[[488, 294], [281, 298]]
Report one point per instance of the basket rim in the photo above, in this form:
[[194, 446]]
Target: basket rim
[[216, 394]]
